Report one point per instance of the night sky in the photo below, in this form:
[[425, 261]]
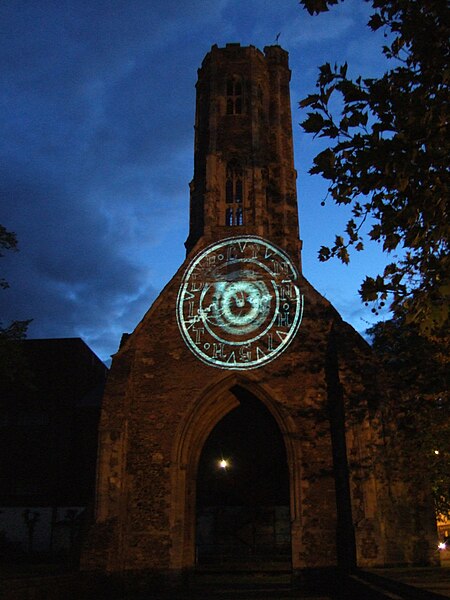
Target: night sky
[[96, 145]]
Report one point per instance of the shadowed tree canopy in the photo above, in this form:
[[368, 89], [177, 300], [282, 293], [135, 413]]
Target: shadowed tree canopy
[[389, 144], [10, 354], [8, 241], [417, 370]]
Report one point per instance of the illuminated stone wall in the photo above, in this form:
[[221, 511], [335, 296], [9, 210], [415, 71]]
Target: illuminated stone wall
[[162, 402]]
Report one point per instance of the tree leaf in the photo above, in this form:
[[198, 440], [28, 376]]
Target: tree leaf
[[314, 123]]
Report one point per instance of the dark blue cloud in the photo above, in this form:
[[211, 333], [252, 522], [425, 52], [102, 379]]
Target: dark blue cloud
[[68, 275], [96, 147]]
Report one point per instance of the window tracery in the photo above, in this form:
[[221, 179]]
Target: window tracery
[[234, 194], [234, 96]]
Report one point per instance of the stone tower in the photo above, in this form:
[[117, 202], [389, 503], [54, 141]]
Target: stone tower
[[243, 162], [240, 357]]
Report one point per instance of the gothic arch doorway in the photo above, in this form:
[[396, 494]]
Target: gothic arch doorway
[[242, 507]]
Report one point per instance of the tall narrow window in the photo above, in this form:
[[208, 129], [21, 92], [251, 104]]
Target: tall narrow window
[[238, 188], [229, 192], [234, 96], [234, 194]]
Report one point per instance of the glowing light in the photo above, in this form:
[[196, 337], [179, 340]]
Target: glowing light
[[239, 304], [241, 307], [436, 451], [442, 546], [223, 464]]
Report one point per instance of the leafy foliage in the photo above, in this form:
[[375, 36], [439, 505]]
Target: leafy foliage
[[8, 241], [417, 370], [11, 357], [388, 156], [10, 353]]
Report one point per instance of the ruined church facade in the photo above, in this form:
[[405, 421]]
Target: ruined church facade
[[239, 327]]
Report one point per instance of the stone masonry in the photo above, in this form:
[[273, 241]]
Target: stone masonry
[[161, 402]]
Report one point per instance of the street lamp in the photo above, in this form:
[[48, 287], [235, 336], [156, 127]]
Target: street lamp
[[223, 464]]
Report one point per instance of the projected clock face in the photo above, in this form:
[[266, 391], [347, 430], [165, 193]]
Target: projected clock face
[[239, 304]]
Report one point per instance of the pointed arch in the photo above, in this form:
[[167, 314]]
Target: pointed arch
[[216, 401]]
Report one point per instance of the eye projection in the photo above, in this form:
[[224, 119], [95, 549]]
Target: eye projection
[[239, 304]]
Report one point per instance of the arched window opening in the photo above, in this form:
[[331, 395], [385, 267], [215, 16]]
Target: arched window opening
[[238, 190], [234, 194], [234, 96], [243, 488], [229, 190]]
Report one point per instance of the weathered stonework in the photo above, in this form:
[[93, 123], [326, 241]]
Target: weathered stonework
[[161, 402]]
